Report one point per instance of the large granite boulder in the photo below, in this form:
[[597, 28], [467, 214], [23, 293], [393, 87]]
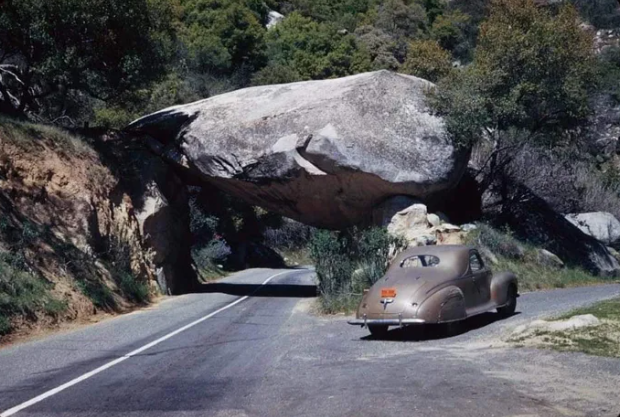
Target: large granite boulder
[[322, 152], [600, 225]]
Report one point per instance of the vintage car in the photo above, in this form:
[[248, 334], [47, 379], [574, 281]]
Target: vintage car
[[435, 284]]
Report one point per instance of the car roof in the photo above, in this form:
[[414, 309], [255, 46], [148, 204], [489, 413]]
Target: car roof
[[438, 249]]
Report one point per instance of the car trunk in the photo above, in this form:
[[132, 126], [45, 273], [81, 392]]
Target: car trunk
[[408, 287]]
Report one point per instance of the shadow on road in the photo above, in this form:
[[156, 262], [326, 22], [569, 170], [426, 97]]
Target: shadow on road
[[439, 331], [258, 290]]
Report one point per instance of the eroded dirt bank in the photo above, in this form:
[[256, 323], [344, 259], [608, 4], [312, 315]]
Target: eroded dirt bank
[[88, 224]]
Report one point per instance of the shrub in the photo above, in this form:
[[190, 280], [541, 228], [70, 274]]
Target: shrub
[[290, 235], [428, 60], [134, 290], [347, 262], [23, 293], [119, 258], [113, 117], [498, 242], [98, 293], [208, 256], [5, 325]]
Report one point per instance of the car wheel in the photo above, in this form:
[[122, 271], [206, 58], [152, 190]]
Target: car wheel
[[511, 305], [378, 331]]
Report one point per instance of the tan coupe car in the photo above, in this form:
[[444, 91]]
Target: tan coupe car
[[435, 284]]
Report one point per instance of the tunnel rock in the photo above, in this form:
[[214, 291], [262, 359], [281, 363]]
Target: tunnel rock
[[326, 153]]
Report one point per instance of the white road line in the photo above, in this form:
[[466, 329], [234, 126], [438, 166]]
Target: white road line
[[123, 358]]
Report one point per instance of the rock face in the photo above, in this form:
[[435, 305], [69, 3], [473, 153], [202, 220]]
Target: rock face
[[531, 218], [322, 152], [600, 225], [159, 204]]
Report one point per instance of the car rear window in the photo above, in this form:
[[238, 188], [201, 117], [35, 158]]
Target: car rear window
[[420, 261]]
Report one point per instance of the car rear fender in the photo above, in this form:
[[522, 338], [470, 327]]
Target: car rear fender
[[500, 284], [447, 304]]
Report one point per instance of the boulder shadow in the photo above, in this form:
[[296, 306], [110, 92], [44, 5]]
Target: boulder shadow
[[258, 290], [429, 332]]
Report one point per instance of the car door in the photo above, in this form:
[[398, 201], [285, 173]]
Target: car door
[[468, 286], [481, 276]]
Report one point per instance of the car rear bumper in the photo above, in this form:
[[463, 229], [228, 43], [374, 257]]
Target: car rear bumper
[[364, 322]]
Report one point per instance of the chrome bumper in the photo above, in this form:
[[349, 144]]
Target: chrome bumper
[[364, 322]]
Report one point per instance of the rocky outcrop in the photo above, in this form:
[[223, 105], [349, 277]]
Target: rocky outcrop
[[419, 228], [322, 152], [532, 219], [602, 226], [159, 205]]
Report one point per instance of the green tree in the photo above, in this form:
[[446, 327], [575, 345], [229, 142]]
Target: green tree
[[51, 49], [428, 60], [343, 13], [224, 36], [299, 45], [451, 31], [382, 49], [434, 8], [531, 79], [401, 19]]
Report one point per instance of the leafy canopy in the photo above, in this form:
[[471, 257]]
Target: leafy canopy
[[302, 48], [428, 60], [100, 47], [533, 71], [224, 35]]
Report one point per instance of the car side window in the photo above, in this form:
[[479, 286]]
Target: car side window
[[475, 262]]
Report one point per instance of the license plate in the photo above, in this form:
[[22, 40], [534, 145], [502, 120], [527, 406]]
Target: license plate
[[388, 292]]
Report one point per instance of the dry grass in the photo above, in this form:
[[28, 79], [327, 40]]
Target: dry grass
[[31, 135], [601, 340]]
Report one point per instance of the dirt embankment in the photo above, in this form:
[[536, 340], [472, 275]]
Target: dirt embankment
[[87, 225]]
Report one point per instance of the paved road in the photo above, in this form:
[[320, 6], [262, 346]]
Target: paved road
[[221, 354]]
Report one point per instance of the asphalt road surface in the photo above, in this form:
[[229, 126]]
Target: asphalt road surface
[[241, 348]]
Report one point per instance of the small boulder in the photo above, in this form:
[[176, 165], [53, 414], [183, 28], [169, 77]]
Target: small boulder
[[273, 18], [549, 259], [434, 219], [602, 226], [410, 222], [468, 227], [575, 322]]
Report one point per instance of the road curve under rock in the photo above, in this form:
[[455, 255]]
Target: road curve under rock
[[249, 345]]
